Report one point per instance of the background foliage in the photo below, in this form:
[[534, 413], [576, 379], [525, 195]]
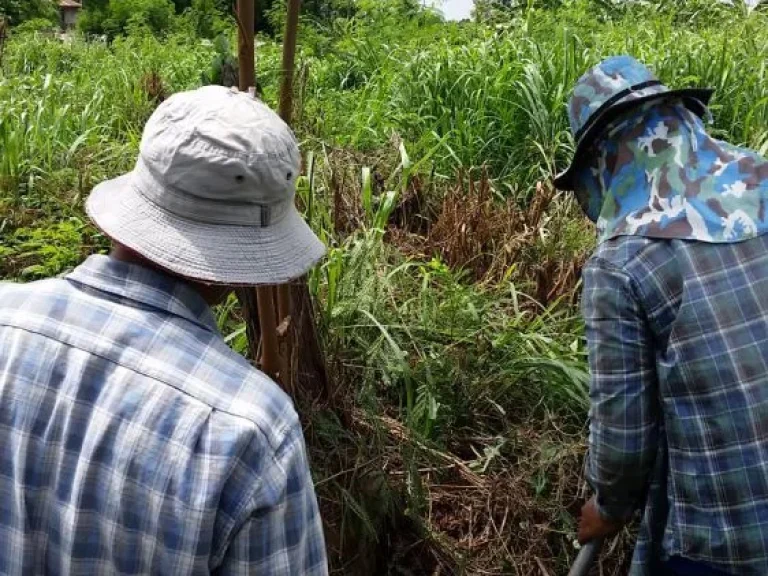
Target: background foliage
[[447, 305], [18, 11]]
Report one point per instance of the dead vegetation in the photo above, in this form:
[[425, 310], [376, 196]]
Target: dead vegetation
[[498, 494], [152, 85], [408, 503], [494, 238], [3, 36], [469, 225]]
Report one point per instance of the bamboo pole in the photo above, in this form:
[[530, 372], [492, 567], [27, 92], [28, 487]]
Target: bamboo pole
[[289, 60], [305, 362], [286, 113], [3, 29], [246, 16], [266, 321], [270, 357], [293, 326]]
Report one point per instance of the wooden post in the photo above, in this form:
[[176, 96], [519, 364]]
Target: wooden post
[[286, 113], [245, 43], [300, 340], [301, 347], [289, 60], [3, 28], [266, 323], [270, 357]]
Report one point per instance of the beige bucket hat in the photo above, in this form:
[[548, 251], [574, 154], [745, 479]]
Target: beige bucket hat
[[212, 193]]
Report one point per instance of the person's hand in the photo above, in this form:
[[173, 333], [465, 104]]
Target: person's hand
[[592, 524]]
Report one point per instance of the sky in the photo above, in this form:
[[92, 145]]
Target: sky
[[459, 9], [455, 9]]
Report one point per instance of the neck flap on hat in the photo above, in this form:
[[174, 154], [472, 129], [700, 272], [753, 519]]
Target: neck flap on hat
[[658, 174]]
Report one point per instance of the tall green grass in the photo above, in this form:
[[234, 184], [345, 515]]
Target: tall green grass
[[62, 104], [391, 111], [500, 93], [448, 354], [455, 96]]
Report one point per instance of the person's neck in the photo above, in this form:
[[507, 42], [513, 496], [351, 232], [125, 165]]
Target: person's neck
[[213, 294]]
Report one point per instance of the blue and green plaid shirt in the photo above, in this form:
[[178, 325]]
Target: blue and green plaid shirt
[[134, 441], [678, 346]]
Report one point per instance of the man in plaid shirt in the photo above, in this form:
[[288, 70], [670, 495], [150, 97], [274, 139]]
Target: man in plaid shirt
[[132, 439], [676, 309]]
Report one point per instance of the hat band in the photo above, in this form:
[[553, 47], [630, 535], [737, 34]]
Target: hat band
[[595, 116], [191, 207]]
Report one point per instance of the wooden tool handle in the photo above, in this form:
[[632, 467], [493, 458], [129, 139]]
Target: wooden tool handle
[[586, 558]]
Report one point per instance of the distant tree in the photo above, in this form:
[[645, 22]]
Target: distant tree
[[156, 15], [269, 19], [684, 11], [36, 25], [114, 17], [223, 70], [111, 16], [223, 6], [181, 5], [484, 5], [17, 11], [205, 18]]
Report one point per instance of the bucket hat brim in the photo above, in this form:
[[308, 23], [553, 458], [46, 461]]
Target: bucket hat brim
[[213, 253], [696, 99]]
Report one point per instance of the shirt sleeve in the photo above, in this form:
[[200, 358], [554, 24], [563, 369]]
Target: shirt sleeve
[[284, 533], [624, 415]]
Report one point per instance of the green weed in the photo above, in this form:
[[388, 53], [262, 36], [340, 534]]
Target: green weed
[[455, 438]]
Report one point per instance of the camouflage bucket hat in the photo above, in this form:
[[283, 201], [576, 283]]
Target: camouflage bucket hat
[[608, 90], [657, 173]]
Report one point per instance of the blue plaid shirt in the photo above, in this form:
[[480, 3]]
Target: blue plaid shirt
[[134, 441], [678, 346]]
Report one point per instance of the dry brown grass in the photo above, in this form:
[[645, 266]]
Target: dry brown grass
[[3, 36], [467, 223], [474, 230], [153, 87], [517, 517], [392, 502]]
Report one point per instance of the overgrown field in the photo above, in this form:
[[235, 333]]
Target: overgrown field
[[447, 307]]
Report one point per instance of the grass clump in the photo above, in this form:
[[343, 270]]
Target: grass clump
[[447, 306]]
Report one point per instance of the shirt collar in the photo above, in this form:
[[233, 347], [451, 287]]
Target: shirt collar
[[145, 286]]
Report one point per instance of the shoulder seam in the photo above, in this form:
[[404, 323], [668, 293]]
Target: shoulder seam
[[604, 262]]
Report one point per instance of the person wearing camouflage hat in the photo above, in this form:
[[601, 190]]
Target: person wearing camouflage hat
[[676, 308]]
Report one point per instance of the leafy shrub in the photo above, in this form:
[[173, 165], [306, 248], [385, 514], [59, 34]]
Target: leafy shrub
[[123, 16], [205, 20], [35, 25], [45, 251], [91, 21], [18, 11]]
